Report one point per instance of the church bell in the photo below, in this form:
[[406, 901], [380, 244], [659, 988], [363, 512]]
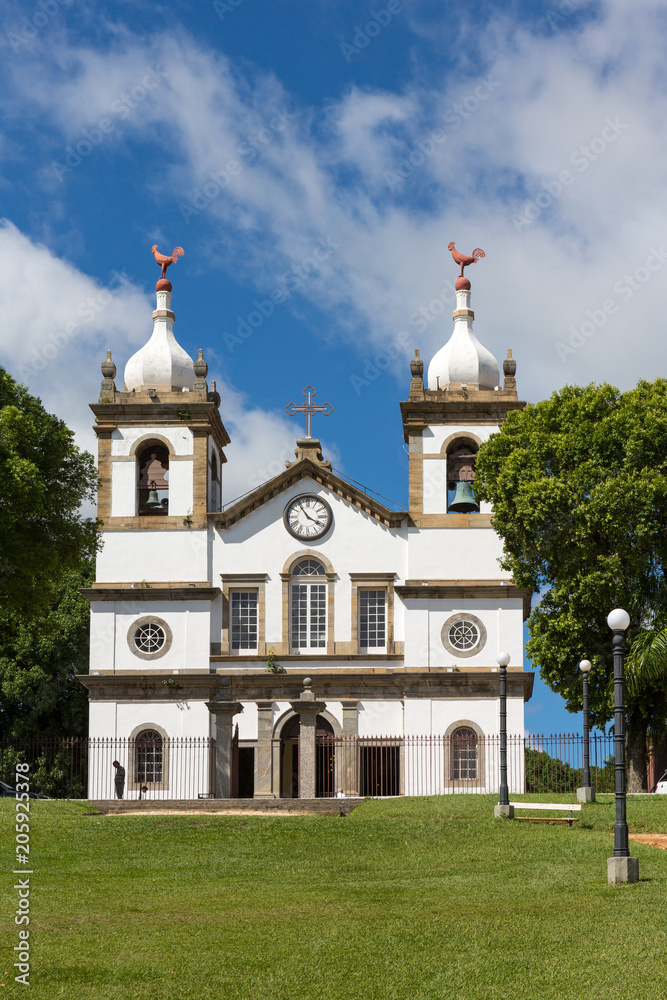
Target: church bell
[[153, 500], [464, 500]]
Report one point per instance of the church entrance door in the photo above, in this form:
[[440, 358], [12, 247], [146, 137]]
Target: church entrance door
[[289, 759]]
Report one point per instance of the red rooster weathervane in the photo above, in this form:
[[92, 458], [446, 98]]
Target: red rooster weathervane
[[164, 263], [464, 261]]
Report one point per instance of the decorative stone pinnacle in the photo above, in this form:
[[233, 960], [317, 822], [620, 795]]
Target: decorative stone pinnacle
[[509, 371], [417, 365], [108, 367], [509, 364], [200, 366]]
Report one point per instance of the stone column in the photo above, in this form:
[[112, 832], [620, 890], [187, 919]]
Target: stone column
[[224, 712], [347, 768], [264, 755], [308, 710]]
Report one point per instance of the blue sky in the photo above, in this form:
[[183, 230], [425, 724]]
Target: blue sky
[[252, 133]]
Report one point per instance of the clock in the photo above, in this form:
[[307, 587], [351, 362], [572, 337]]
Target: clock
[[308, 517]]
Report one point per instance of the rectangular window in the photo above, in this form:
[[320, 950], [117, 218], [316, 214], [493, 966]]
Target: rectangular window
[[243, 615], [372, 619], [309, 616]]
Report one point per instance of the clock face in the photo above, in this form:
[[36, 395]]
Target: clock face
[[308, 517]]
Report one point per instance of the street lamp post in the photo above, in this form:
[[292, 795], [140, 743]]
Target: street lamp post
[[503, 808], [586, 793], [621, 867]]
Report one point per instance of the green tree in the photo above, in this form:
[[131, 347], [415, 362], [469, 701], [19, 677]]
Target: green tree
[[46, 551], [578, 486], [44, 480], [40, 656]]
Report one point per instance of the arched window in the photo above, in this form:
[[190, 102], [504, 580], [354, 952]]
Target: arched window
[[153, 480], [148, 757], [461, 457], [464, 754], [308, 606]]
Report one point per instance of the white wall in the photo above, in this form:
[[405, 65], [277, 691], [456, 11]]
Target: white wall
[[435, 436], [454, 554], [357, 543], [181, 488], [112, 620], [133, 556], [179, 437], [123, 489], [503, 621]]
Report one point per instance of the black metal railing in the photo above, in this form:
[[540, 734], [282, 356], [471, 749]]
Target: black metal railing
[[151, 766]]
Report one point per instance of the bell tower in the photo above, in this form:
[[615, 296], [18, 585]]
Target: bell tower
[[160, 439], [447, 419]]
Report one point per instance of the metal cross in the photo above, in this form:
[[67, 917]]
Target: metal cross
[[309, 408]]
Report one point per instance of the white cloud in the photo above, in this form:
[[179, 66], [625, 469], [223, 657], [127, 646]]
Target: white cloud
[[57, 325], [549, 96]]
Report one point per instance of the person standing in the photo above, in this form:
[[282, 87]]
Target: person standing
[[119, 779]]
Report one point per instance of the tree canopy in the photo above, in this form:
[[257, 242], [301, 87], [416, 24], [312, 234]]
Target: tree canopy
[[578, 485], [44, 480], [46, 552], [40, 656]]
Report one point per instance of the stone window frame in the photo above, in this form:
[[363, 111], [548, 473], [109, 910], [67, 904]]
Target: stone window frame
[[137, 450], [132, 781], [284, 647], [247, 582], [450, 442], [480, 780], [148, 620], [453, 620], [372, 581]]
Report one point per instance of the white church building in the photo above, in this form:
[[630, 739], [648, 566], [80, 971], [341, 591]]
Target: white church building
[[307, 613]]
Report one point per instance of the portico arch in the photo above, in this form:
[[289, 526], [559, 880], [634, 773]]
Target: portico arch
[[287, 730]]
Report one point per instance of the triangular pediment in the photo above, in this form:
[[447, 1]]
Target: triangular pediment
[[307, 469]]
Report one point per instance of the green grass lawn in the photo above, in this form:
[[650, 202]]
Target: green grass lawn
[[405, 898]]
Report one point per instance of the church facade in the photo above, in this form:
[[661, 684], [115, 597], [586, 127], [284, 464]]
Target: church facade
[[307, 610]]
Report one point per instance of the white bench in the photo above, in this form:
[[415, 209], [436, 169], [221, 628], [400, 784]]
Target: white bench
[[571, 807]]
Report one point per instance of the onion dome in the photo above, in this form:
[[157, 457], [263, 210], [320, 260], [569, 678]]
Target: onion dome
[[161, 363], [463, 360]]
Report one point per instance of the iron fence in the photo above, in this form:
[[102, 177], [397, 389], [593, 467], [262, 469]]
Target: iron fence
[[462, 762], [155, 767], [150, 766]]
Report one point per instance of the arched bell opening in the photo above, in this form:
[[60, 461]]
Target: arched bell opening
[[324, 758], [153, 480], [461, 458]]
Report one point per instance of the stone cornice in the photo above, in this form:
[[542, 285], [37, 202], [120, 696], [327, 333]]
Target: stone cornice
[[394, 685], [129, 410], [307, 469], [153, 592], [464, 590], [456, 407]]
